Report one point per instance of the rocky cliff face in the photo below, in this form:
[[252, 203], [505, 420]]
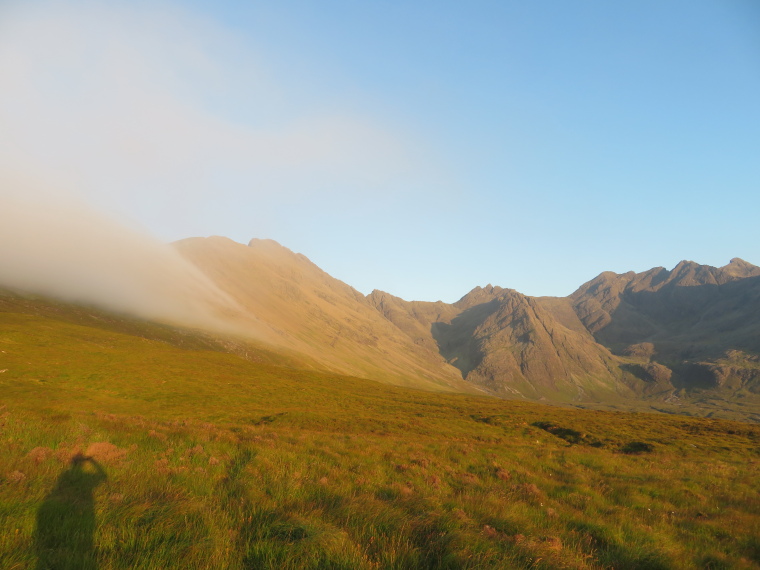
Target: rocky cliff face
[[652, 333], [688, 318], [628, 308], [689, 312], [510, 344]]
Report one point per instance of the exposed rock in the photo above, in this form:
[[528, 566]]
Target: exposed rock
[[559, 349], [651, 372], [640, 350], [693, 312], [510, 344]]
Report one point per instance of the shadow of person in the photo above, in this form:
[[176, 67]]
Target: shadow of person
[[66, 520]]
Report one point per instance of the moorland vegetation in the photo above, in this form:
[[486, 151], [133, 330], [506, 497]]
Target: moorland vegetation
[[127, 444]]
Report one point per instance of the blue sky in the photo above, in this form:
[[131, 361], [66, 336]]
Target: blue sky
[[422, 148]]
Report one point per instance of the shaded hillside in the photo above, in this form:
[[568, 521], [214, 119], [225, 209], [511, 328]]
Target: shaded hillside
[[511, 344], [690, 335], [700, 322], [634, 307], [291, 303]]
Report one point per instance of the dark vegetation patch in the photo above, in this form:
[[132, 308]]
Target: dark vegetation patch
[[263, 420], [569, 435], [635, 447]]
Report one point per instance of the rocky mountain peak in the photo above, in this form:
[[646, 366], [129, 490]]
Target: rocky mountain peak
[[737, 267]]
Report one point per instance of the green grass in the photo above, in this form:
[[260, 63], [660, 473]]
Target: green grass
[[214, 461]]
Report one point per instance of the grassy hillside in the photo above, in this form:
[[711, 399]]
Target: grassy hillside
[[290, 302], [199, 458]]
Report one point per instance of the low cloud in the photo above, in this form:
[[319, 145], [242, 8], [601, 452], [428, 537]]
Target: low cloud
[[73, 253], [148, 112]]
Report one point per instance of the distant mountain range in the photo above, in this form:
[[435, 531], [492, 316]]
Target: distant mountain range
[[671, 336], [660, 331], [668, 338]]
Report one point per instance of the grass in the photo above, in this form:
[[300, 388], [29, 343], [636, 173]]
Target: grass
[[203, 459]]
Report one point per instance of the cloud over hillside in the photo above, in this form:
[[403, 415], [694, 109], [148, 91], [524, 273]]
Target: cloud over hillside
[[70, 252]]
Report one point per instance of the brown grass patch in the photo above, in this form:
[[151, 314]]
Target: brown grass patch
[[15, 476], [503, 474], [66, 454], [39, 454], [106, 452], [158, 435], [468, 478]]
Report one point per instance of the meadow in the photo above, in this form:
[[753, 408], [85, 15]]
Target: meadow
[[132, 445]]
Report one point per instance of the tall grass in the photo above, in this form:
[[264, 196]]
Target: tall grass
[[212, 461]]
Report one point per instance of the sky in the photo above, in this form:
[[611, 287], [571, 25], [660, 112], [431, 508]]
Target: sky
[[421, 148]]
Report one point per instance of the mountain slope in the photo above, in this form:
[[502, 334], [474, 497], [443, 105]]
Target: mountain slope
[[628, 308], [291, 303], [510, 344], [691, 334], [702, 323]]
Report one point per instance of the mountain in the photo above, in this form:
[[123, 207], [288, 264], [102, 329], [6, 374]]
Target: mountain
[[677, 307], [699, 325], [510, 344], [687, 335], [287, 301], [692, 333], [684, 339]]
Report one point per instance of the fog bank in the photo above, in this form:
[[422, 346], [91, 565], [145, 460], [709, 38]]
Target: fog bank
[[75, 254]]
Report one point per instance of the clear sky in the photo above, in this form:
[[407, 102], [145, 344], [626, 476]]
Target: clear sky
[[417, 147]]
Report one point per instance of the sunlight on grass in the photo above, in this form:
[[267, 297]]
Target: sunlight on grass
[[213, 461]]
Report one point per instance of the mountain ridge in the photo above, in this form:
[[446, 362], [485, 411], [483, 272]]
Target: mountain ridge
[[685, 335], [295, 304], [697, 324], [657, 335]]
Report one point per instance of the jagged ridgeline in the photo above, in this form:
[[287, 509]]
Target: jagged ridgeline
[[683, 339], [693, 332]]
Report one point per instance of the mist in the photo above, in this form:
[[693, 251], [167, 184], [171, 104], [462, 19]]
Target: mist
[[108, 121], [157, 115], [58, 248]]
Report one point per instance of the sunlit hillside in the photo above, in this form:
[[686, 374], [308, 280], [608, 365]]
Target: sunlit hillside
[[131, 445], [511, 317]]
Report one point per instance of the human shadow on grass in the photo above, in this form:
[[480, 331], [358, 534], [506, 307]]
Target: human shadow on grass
[[66, 520]]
